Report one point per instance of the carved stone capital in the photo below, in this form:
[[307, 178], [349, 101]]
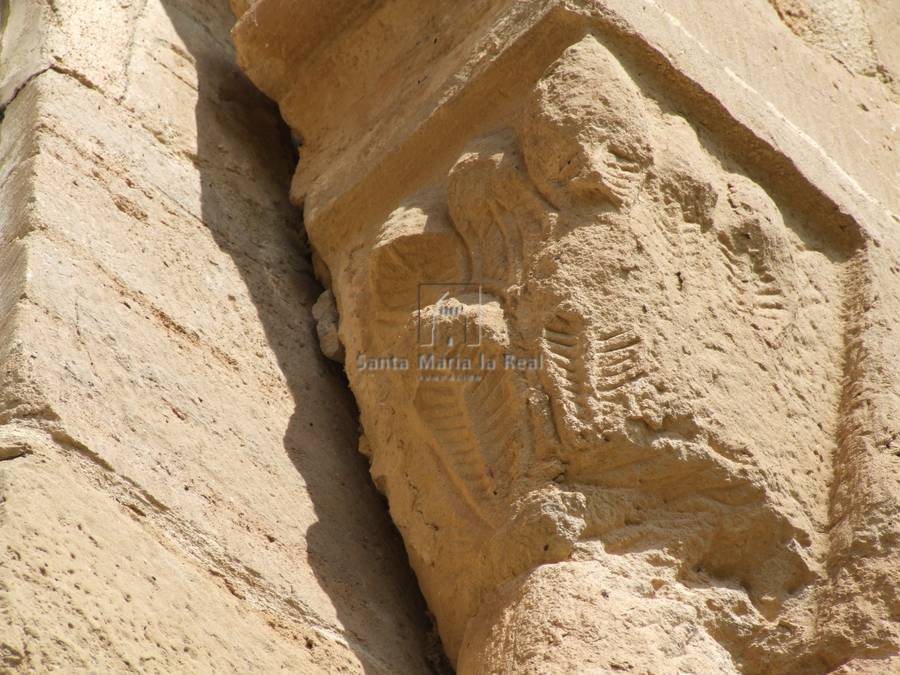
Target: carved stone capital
[[610, 317]]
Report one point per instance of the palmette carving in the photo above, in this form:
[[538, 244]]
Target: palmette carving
[[758, 256], [620, 279], [566, 377]]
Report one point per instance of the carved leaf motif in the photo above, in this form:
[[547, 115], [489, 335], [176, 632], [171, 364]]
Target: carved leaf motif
[[618, 361], [475, 434], [566, 376], [497, 212], [417, 245], [687, 208], [757, 257]]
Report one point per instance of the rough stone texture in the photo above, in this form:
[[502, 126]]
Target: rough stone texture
[[326, 315], [681, 222], [860, 34], [181, 490]]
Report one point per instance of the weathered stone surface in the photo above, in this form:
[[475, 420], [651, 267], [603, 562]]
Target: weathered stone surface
[[673, 229], [860, 34], [182, 491], [326, 315]]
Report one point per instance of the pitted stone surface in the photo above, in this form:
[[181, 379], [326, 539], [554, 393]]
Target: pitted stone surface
[[613, 293], [179, 487]]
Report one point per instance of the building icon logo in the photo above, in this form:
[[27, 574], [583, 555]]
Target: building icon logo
[[445, 316]]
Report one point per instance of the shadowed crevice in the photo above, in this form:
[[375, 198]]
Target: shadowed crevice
[[354, 530]]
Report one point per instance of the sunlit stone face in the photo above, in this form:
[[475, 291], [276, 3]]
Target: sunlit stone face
[[586, 138], [596, 314]]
